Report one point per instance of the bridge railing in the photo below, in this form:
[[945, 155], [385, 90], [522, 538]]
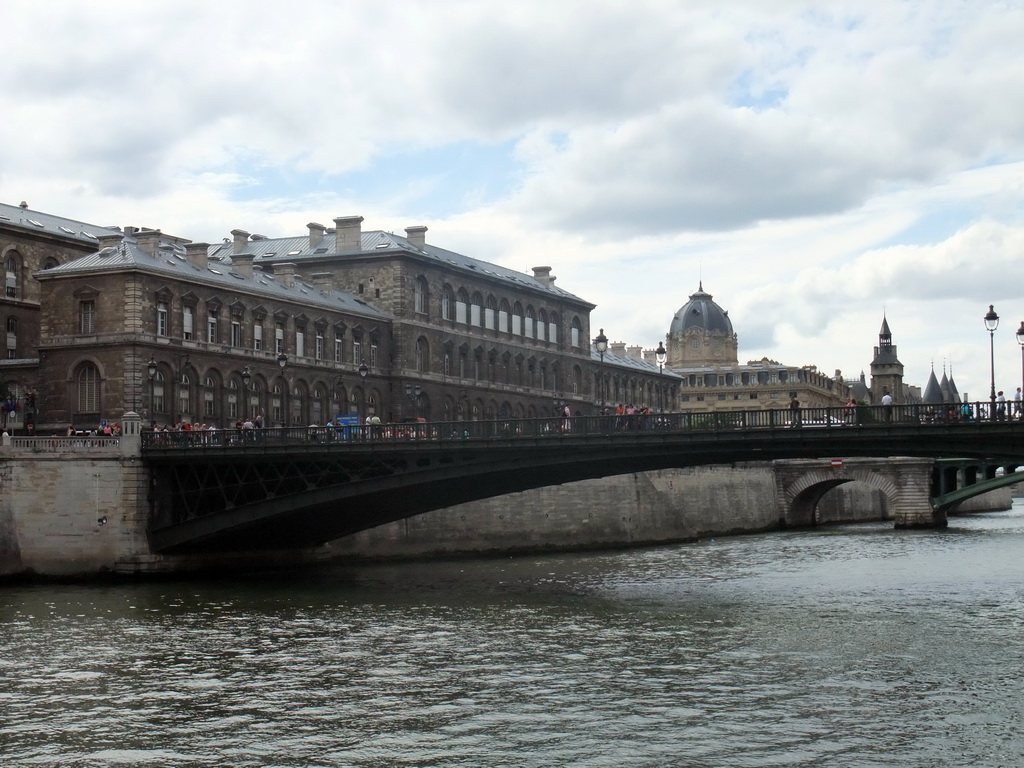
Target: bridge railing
[[589, 425]]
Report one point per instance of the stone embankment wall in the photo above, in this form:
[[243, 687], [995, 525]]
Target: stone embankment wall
[[645, 508], [75, 505]]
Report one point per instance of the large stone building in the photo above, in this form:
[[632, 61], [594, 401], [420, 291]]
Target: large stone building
[[337, 321]]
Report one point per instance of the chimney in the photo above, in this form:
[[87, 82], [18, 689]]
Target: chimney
[[242, 264], [322, 282], [618, 348], [635, 352], [316, 233], [348, 234], [198, 254], [254, 237], [285, 274], [106, 241], [417, 236], [148, 240], [543, 275], [241, 238]]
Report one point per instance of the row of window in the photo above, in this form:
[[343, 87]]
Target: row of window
[[319, 347], [12, 268], [474, 311]]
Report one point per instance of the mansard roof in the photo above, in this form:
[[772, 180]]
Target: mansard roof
[[300, 250], [36, 222], [171, 262]]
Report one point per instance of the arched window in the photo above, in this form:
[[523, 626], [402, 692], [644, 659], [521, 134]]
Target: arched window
[[12, 338], [542, 326], [476, 311], [517, 319], [185, 398], [88, 389], [528, 325], [491, 314], [503, 317], [420, 296], [462, 306], [575, 333], [12, 276], [232, 401], [158, 404], [209, 397], [50, 263], [422, 355], [447, 303]]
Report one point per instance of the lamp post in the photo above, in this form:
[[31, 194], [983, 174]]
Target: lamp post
[[151, 369], [363, 370], [180, 361], [661, 355], [282, 361], [246, 405], [991, 323], [1017, 404], [412, 394], [601, 345]]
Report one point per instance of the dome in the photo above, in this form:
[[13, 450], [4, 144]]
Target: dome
[[702, 313]]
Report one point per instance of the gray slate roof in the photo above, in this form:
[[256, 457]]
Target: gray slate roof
[[171, 261], [298, 249], [37, 221]]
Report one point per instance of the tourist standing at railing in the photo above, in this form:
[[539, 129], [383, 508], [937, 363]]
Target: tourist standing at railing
[[1016, 403], [1000, 406], [850, 410], [794, 412], [887, 404]]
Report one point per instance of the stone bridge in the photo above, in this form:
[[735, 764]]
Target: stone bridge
[[905, 483]]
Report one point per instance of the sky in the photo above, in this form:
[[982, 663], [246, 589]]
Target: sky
[[816, 166]]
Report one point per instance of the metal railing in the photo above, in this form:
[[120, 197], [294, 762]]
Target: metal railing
[[577, 426]]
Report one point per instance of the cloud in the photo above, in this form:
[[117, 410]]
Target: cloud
[[815, 165]]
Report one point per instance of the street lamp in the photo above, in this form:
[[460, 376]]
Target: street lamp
[[991, 323], [151, 368], [1020, 340], [363, 370], [660, 355], [412, 394], [601, 345], [246, 404]]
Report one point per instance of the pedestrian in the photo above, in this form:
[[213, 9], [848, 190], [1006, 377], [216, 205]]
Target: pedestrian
[[1016, 403], [794, 411], [887, 404], [850, 410], [1000, 406]]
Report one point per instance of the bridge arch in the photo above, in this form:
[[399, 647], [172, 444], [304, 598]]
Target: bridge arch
[[802, 484]]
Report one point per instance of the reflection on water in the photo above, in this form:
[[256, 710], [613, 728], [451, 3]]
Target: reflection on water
[[847, 646]]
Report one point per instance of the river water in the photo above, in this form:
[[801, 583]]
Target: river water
[[844, 646]]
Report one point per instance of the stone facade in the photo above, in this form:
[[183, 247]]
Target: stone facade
[[135, 319]]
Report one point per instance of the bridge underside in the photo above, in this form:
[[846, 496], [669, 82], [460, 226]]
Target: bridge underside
[[301, 496]]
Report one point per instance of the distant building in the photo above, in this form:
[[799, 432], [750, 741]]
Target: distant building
[[702, 349]]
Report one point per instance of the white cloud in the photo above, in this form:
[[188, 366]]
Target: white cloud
[[814, 164]]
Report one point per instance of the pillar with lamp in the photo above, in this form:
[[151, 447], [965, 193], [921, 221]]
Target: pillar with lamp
[[1017, 398], [661, 355], [601, 345], [991, 323]]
